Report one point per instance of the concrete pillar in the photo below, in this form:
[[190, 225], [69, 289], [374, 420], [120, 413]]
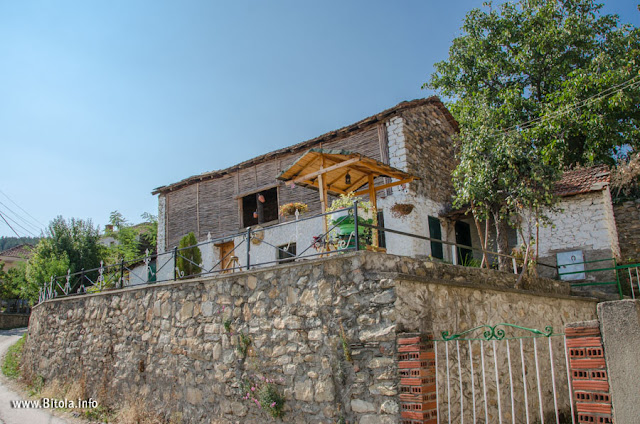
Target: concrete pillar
[[620, 328]]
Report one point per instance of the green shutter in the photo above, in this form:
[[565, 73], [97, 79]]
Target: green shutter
[[435, 232]]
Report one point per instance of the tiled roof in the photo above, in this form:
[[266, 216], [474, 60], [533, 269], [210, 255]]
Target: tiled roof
[[583, 180], [21, 251], [306, 145]]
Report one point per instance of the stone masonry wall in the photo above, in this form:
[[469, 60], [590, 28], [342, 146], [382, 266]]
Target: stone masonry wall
[[429, 150], [166, 345], [628, 222], [9, 321]]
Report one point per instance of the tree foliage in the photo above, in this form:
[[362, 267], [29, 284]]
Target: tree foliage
[[69, 246], [527, 85], [131, 241], [9, 242], [189, 258]]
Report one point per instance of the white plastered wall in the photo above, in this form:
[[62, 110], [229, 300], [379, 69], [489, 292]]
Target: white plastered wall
[[584, 222]]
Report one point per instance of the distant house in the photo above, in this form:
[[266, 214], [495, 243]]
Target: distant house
[[13, 256]]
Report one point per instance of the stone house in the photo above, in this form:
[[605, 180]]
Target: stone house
[[584, 229], [13, 256], [414, 137]]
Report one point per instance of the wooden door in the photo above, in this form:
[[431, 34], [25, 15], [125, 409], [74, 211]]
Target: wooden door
[[226, 256]]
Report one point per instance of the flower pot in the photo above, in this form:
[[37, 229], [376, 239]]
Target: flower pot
[[345, 227]]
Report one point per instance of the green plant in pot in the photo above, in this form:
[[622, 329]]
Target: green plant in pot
[[343, 221]]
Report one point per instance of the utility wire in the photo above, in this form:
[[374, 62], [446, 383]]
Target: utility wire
[[16, 223], [35, 220], [21, 218], [578, 105], [2, 216]]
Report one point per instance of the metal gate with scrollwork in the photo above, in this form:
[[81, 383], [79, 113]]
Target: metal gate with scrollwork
[[502, 374]]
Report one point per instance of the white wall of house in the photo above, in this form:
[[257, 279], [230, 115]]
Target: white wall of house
[[138, 275], [584, 222]]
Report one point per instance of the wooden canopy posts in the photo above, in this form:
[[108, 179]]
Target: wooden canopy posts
[[338, 172]]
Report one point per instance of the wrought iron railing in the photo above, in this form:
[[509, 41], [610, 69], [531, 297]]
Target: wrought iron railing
[[163, 267], [623, 276]]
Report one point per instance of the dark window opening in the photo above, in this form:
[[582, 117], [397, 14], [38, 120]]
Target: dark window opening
[[463, 237], [255, 212], [286, 253], [435, 232]]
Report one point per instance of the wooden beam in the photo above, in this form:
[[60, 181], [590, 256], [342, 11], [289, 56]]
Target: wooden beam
[[322, 186], [330, 183], [381, 170], [360, 182], [382, 187], [336, 190], [325, 170], [372, 192], [374, 203]]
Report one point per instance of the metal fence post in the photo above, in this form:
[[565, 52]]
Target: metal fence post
[[122, 273], [355, 223], [175, 263], [615, 266], [454, 254], [248, 248]]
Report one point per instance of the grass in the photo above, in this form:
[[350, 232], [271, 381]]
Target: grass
[[11, 364]]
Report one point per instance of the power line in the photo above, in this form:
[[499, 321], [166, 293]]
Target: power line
[[16, 223], [598, 96], [21, 218], [2, 216], [35, 220]]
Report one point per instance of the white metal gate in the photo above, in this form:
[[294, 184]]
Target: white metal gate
[[503, 374]]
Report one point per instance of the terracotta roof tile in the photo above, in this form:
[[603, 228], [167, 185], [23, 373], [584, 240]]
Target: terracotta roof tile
[[583, 180], [21, 251]]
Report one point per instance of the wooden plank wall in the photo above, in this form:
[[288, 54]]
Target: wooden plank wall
[[217, 204]]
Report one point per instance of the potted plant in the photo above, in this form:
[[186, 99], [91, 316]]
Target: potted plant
[[401, 209], [343, 220]]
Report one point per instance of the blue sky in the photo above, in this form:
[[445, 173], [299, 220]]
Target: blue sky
[[100, 102]]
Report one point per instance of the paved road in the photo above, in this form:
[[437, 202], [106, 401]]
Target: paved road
[[9, 415]]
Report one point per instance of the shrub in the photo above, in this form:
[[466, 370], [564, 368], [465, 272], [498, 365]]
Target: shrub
[[189, 257]]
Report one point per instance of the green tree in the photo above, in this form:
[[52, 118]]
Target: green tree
[[8, 285], [131, 241], [527, 85], [69, 246], [127, 245], [189, 258]]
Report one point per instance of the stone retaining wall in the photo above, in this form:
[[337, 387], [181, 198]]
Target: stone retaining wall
[[628, 222], [166, 345], [9, 321]]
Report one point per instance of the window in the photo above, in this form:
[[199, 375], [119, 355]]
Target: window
[[286, 253], [435, 232], [256, 212]]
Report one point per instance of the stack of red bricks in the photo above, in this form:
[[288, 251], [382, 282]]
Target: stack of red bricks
[[416, 366], [589, 374]]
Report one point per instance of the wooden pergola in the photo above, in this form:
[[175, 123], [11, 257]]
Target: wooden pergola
[[338, 172]]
